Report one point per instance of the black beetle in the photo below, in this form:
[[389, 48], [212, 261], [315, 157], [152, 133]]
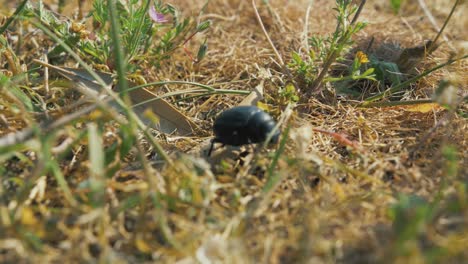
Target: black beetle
[[243, 125]]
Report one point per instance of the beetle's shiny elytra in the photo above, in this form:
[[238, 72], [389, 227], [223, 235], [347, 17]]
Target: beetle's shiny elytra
[[243, 125]]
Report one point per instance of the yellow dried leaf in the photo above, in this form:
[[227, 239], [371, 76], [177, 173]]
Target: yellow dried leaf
[[4, 217], [77, 27], [28, 217], [152, 117], [225, 179], [263, 106], [423, 108], [340, 194], [95, 115], [142, 246]]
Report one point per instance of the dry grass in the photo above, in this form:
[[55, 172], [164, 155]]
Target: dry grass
[[332, 202]]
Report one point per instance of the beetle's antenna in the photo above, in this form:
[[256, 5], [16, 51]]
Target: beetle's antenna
[[211, 147]]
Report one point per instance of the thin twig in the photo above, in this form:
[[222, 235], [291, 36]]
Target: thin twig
[[259, 19], [24, 135], [358, 12], [306, 27], [283, 66], [46, 74], [433, 45], [431, 18]]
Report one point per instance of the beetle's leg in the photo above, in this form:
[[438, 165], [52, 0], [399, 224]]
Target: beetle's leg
[[211, 147]]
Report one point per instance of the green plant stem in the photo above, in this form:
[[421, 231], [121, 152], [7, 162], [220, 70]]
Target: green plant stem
[[121, 64], [274, 177], [138, 31], [358, 12], [216, 91], [204, 86], [433, 45], [397, 103], [13, 17], [408, 82], [335, 52], [347, 78]]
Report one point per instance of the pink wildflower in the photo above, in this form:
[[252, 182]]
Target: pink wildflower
[[155, 16]]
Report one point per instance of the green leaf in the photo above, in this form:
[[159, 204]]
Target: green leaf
[[450, 153], [410, 215], [96, 150], [130, 202], [128, 140], [110, 153], [202, 51], [368, 72], [97, 170], [203, 26], [386, 71], [22, 97], [296, 58], [396, 5]]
